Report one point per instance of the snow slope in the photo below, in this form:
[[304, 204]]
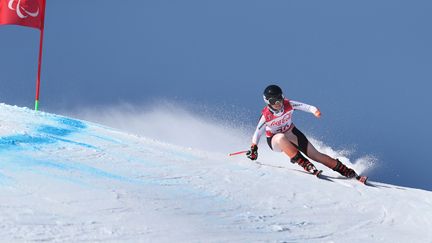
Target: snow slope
[[68, 180]]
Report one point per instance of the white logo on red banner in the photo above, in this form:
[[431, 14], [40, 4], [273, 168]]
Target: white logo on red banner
[[21, 11]]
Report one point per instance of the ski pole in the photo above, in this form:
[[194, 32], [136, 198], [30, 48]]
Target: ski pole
[[239, 152]]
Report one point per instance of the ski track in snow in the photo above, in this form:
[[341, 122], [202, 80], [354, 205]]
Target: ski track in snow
[[65, 180]]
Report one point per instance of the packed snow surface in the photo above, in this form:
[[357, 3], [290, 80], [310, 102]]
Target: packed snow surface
[[67, 180]]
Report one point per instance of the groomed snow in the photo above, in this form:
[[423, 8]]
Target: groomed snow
[[66, 180]]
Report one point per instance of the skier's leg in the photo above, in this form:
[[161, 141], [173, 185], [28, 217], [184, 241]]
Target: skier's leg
[[280, 142], [300, 140], [324, 159], [328, 161]]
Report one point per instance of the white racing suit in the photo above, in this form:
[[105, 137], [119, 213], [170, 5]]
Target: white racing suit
[[281, 122]]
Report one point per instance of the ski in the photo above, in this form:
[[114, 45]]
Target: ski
[[362, 179], [317, 173]]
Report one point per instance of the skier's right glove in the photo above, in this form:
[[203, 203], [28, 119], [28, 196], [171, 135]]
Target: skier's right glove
[[253, 152]]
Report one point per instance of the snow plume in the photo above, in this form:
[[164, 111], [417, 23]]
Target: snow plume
[[171, 123], [361, 165], [202, 128]]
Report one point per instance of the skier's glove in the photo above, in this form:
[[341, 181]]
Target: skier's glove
[[253, 152], [317, 113]]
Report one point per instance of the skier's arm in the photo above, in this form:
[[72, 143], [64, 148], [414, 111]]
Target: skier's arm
[[253, 152], [305, 107], [259, 130]]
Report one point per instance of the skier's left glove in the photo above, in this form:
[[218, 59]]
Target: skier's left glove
[[253, 152], [317, 113]]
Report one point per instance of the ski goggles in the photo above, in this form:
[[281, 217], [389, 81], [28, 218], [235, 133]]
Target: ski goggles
[[275, 100]]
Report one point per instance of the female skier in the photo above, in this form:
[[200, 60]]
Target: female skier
[[283, 136]]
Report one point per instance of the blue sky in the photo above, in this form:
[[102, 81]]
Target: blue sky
[[365, 64]]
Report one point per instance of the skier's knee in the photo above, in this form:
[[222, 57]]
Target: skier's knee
[[277, 137]]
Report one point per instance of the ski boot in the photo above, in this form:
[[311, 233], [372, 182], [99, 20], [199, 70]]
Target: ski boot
[[343, 170], [303, 162]]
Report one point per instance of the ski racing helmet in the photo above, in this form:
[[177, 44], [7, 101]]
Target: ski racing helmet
[[273, 94]]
